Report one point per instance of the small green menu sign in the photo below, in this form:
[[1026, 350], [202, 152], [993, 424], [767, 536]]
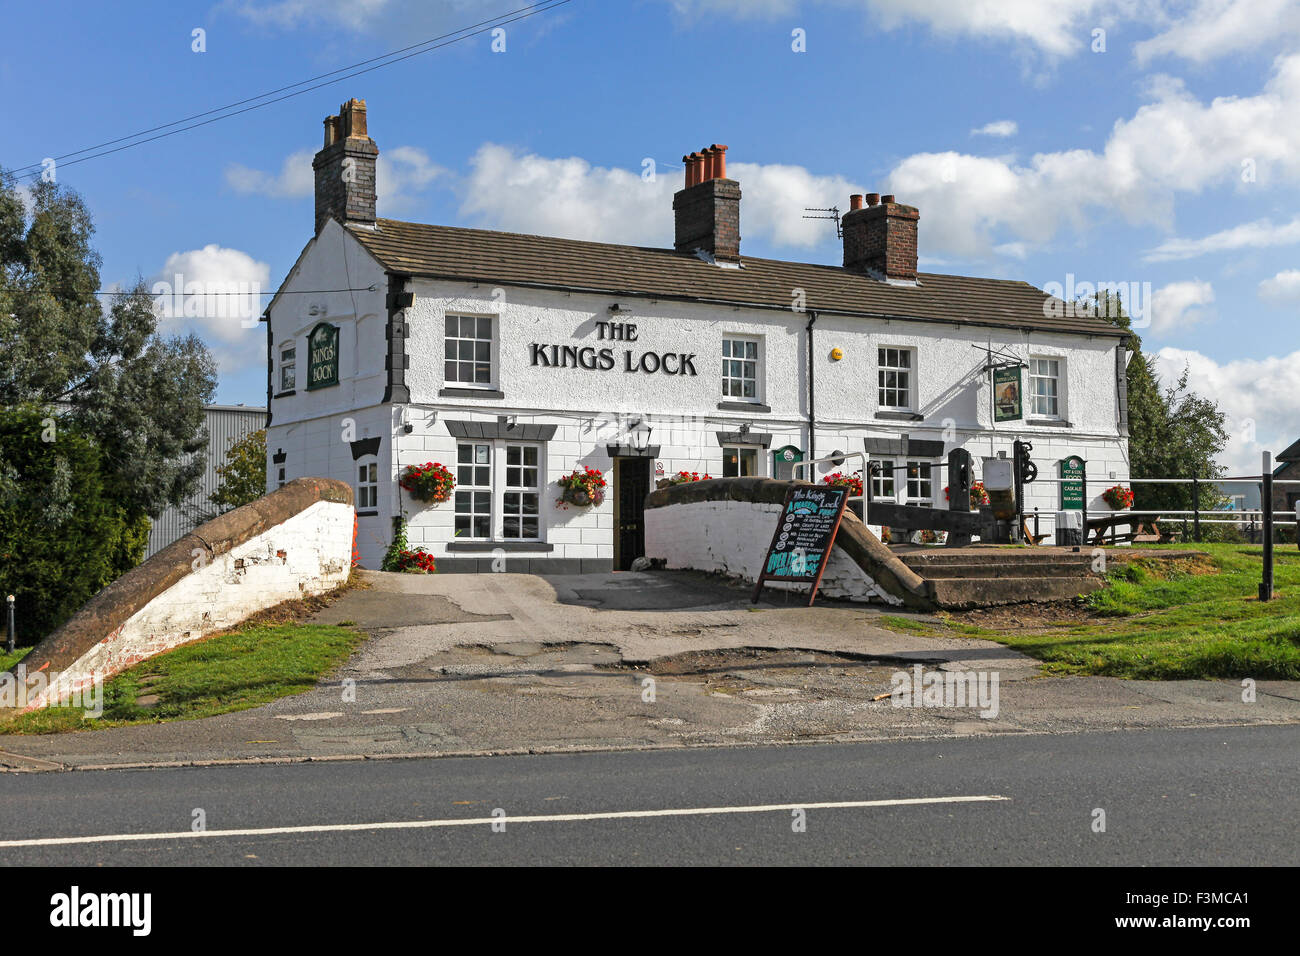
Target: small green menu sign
[[1008, 400], [323, 356], [1071, 483]]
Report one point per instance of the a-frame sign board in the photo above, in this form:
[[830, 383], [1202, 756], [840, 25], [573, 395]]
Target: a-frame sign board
[[805, 531]]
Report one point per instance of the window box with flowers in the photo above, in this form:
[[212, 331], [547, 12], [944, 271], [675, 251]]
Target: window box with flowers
[[582, 488], [430, 482], [682, 478], [1118, 497]]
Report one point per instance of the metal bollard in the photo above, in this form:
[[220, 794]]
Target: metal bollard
[[9, 640]]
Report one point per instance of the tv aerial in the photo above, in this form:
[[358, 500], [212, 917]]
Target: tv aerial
[[831, 212]]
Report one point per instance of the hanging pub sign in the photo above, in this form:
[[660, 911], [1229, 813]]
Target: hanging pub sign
[[1008, 400], [1071, 483], [323, 356], [804, 534]]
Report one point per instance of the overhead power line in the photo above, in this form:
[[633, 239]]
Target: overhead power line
[[34, 170]]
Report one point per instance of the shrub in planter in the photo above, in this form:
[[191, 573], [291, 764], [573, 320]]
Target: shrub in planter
[[582, 488], [429, 482], [1118, 497]]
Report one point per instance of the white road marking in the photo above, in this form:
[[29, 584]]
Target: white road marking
[[322, 715], [488, 821]]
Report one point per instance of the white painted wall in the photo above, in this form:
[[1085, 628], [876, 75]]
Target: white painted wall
[[732, 538], [309, 554], [592, 408]]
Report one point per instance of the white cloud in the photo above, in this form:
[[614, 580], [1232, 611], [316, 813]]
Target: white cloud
[[216, 293], [294, 180], [1259, 234], [1179, 305], [1261, 398], [1173, 145], [998, 128], [1217, 28], [524, 192], [1282, 289], [400, 173]]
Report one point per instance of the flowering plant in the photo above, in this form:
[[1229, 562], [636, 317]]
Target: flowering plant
[[840, 480], [428, 482], [978, 496], [1118, 497], [582, 488], [418, 561], [682, 477]]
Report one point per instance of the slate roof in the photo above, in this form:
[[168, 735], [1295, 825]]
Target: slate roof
[[505, 258]]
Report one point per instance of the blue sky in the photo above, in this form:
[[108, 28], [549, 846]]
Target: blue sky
[[1171, 157]]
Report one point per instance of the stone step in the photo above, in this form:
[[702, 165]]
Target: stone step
[[997, 559], [964, 593]]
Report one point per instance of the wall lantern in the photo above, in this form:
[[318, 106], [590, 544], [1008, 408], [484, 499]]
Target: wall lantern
[[836, 354], [639, 435]]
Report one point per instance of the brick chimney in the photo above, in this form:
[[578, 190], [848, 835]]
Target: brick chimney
[[345, 168], [880, 237], [707, 210]]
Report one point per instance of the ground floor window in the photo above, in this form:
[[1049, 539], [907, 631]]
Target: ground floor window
[[739, 462], [498, 491], [367, 485], [915, 478]]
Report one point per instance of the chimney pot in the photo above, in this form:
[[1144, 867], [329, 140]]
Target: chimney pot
[[855, 201], [888, 197], [873, 199], [707, 210]]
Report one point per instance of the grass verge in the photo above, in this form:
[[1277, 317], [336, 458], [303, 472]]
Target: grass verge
[[1167, 619], [247, 667]]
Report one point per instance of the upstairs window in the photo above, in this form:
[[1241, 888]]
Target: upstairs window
[[288, 361], [894, 379], [1045, 387], [740, 368], [468, 350]]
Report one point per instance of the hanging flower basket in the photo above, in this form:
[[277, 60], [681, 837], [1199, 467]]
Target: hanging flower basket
[[852, 482], [1118, 497], [978, 496], [582, 488], [429, 482]]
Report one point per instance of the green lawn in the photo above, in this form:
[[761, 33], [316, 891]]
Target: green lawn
[[233, 671], [1159, 620]]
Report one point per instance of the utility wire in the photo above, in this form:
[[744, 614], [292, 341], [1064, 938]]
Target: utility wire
[[388, 58]]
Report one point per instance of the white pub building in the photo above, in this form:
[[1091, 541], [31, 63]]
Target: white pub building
[[515, 360]]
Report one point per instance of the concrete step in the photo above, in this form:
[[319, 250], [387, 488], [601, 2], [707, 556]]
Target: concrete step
[[964, 593], [1021, 558], [1043, 569]]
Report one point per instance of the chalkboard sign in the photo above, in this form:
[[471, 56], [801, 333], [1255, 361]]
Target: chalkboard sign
[[1071, 483], [801, 544]]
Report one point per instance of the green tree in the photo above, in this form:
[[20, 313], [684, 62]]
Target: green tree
[[1173, 432], [243, 476], [62, 536], [137, 394]]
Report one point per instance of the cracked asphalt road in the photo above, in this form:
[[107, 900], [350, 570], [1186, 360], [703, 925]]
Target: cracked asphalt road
[[517, 663]]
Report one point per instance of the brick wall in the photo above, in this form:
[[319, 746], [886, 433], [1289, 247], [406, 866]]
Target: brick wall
[[882, 239], [707, 217]]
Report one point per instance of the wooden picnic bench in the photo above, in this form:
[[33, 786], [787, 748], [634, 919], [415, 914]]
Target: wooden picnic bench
[[1135, 523]]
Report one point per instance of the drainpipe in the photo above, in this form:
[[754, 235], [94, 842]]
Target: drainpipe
[[812, 391]]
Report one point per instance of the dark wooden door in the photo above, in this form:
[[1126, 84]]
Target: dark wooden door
[[632, 477]]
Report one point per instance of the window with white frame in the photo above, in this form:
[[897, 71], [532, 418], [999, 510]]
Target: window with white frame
[[1045, 387], [473, 490], [895, 378], [367, 483], [920, 483], [739, 462], [521, 514], [498, 491], [468, 350], [740, 368], [279, 477], [288, 361], [882, 482]]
